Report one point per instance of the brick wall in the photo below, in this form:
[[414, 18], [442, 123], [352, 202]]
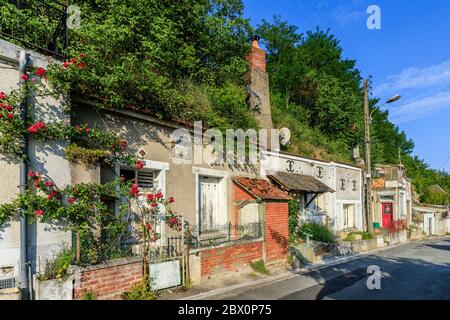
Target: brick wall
[[108, 280], [277, 230], [257, 59], [229, 258]]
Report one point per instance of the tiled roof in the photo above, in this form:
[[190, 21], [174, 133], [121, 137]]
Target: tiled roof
[[378, 183], [262, 189]]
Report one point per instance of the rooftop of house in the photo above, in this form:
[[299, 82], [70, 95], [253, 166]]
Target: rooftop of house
[[261, 189]]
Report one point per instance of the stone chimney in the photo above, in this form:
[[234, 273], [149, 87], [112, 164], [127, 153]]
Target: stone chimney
[[258, 85]]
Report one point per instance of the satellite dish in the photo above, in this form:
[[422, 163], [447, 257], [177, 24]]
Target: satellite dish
[[285, 136]]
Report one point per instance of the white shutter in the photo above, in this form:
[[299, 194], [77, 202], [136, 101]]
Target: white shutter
[[210, 207]]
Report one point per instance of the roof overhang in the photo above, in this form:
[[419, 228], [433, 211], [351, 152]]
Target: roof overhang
[[293, 182]]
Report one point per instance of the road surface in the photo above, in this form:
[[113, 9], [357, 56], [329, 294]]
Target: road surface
[[417, 270]]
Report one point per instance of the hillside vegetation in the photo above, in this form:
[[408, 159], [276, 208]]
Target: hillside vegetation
[[184, 60]]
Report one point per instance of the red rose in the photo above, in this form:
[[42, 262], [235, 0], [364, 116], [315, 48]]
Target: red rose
[[39, 213], [148, 226], [81, 65], [70, 200], [49, 184], [134, 190], [9, 107], [150, 197], [171, 200], [24, 77], [73, 60], [34, 129], [10, 115], [66, 64], [88, 130], [2, 95], [154, 204], [155, 238], [122, 178], [159, 195], [31, 174], [139, 164], [40, 72]]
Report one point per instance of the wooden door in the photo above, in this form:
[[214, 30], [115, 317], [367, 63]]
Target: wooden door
[[386, 212], [210, 207]]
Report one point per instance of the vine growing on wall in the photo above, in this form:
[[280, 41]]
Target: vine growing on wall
[[84, 208]]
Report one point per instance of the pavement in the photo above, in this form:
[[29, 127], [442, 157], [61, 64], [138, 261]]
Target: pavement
[[416, 270]]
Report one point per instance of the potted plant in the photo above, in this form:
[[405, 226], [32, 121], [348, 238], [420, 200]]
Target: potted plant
[[56, 283]]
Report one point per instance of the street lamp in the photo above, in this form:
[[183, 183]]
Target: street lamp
[[367, 122], [390, 100]]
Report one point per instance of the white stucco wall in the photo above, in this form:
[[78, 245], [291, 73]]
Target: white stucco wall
[[346, 180]]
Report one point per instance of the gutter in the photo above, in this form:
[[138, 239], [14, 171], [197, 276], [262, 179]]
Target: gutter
[[24, 261]]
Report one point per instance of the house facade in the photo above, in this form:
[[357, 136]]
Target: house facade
[[43, 240], [392, 198], [328, 192]]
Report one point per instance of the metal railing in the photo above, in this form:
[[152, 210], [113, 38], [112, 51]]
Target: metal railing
[[206, 236], [37, 24]]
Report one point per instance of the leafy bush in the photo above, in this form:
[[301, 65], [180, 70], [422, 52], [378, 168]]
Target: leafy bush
[[140, 291], [89, 295], [364, 236], [318, 231], [293, 219], [259, 266], [56, 268]]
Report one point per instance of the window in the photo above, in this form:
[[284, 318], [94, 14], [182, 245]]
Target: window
[[146, 179]]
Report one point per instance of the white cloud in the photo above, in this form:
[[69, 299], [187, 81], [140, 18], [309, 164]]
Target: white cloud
[[417, 78], [421, 107]]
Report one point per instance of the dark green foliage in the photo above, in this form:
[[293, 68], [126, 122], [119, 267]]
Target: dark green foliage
[[318, 232]]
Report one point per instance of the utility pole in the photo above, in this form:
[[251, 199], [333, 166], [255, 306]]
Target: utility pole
[[369, 217]]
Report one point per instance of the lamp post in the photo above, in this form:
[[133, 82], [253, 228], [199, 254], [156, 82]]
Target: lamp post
[[368, 178]]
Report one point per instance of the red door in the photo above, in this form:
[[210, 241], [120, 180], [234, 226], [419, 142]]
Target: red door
[[386, 211]]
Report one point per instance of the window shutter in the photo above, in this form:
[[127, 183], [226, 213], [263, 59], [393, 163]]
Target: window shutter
[[146, 179]]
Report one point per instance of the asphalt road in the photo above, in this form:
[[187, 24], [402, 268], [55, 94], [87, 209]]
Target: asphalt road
[[415, 271]]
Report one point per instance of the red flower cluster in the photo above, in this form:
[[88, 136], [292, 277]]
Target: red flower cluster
[[52, 195], [2, 96], [159, 195], [34, 129], [139, 165], [134, 191], [36, 178], [10, 115], [74, 61], [24, 77], [40, 72], [39, 213]]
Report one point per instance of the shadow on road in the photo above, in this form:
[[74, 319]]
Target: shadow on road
[[401, 278]]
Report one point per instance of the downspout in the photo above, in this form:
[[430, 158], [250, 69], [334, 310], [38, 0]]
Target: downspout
[[24, 263]]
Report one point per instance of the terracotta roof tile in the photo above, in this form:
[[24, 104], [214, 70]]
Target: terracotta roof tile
[[261, 188]]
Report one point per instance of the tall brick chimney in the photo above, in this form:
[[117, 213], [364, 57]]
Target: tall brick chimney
[[258, 85]]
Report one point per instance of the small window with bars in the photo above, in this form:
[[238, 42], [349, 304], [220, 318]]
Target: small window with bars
[[145, 179]]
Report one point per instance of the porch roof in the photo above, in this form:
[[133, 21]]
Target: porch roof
[[294, 182], [261, 189]]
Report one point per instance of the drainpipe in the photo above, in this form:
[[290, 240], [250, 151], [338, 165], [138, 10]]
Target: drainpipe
[[24, 263]]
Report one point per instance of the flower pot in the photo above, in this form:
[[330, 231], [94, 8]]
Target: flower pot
[[55, 289]]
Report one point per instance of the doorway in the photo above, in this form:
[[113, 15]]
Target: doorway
[[386, 212]]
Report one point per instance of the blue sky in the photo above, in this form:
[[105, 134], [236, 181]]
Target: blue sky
[[409, 55]]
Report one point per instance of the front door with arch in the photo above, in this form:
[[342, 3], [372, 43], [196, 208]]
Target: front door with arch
[[387, 214]]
